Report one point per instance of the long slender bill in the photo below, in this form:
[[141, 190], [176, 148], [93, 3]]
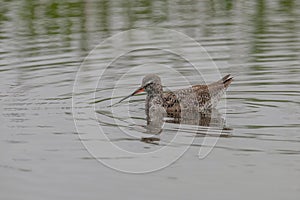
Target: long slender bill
[[139, 90]]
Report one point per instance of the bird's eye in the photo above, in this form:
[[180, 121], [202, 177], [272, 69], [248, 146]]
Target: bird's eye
[[149, 83]]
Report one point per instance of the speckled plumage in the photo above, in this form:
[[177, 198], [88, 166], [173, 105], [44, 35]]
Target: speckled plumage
[[197, 97]]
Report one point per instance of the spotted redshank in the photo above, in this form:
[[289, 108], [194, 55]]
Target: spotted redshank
[[199, 97]]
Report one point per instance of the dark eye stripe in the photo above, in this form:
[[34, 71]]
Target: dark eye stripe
[[148, 84]]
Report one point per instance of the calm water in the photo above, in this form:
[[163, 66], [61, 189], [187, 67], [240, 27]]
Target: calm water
[[43, 45]]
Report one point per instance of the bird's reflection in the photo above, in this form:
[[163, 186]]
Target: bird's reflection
[[155, 121], [211, 118]]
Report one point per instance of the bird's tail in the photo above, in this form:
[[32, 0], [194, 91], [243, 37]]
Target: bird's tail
[[226, 80]]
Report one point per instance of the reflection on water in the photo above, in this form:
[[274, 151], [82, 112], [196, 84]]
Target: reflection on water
[[201, 123], [44, 42], [210, 118]]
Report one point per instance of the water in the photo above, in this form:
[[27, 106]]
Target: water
[[43, 45]]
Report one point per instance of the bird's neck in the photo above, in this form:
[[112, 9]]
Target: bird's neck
[[154, 100], [154, 96]]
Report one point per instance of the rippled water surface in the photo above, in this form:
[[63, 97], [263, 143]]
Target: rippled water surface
[[44, 43]]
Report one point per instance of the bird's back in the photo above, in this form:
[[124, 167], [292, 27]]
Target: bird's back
[[197, 97]]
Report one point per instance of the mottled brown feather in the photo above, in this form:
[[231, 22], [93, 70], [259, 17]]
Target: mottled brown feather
[[197, 96]]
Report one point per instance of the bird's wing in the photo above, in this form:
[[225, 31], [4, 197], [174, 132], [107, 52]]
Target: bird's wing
[[171, 102]]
